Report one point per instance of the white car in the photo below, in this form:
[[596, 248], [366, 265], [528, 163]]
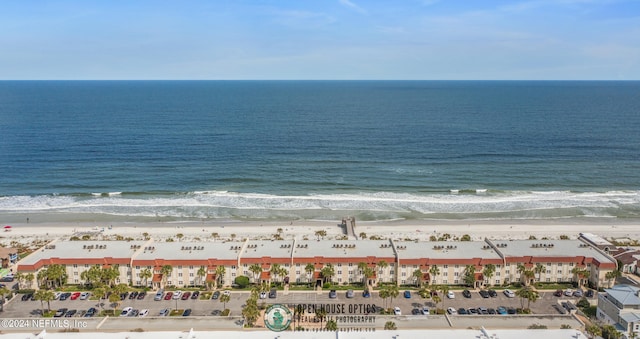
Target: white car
[[125, 311], [226, 292], [84, 295], [452, 310], [143, 313], [177, 295], [568, 292], [425, 311], [451, 295], [509, 293], [396, 311], [263, 295], [56, 295]]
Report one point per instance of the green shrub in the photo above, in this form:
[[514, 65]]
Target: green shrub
[[242, 281]]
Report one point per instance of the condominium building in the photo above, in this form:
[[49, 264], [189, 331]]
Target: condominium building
[[189, 263]]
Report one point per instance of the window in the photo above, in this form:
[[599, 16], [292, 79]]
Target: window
[[506, 271], [456, 266], [75, 273], [403, 282], [339, 265], [339, 272], [350, 264], [137, 267], [180, 283], [497, 281], [456, 281], [497, 274], [404, 266], [191, 274], [445, 274], [350, 271], [86, 265], [559, 271], [180, 267], [415, 266], [298, 272], [179, 274], [445, 281], [548, 271], [191, 267], [455, 274], [298, 265], [404, 274], [548, 280], [446, 266], [75, 265]]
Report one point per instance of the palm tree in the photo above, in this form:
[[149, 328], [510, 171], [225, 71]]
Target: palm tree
[[434, 271], [29, 277], [202, 272], [3, 292], [114, 299], [146, 275], [383, 266], [224, 299], [384, 294], [331, 325], [328, 272], [367, 274], [361, 267], [581, 274], [220, 272], [393, 292], [417, 275], [538, 270], [470, 275], [165, 270], [488, 271], [321, 313], [275, 271], [593, 330], [612, 276], [309, 268], [45, 295], [20, 277], [256, 269], [444, 289], [529, 294]]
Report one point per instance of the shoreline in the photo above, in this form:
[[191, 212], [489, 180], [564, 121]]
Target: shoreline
[[422, 230]]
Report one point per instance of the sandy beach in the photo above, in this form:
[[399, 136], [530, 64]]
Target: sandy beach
[[202, 231]]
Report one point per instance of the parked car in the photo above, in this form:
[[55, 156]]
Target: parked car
[[366, 294], [589, 294], [159, 295], [168, 296], [462, 310], [134, 313], [26, 297], [407, 294], [451, 295], [466, 294], [484, 293], [333, 294], [425, 311], [143, 313], [164, 312], [84, 295], [511, 310], [568, 292], [75, 295], [577, 293], [452, 310], [509, 293], [124, 295], [350, 294], [70, 313], [186, 295], [215, 295], [125, 311], [491, 311], [226, 292], [195, 295], [90, 312], [263, 295], [558, 293], [416, 311], [273, 293], [141, 295], [493, 293], [60, 312], [501, 310], [177, 295], [396, 311], [186, 312]]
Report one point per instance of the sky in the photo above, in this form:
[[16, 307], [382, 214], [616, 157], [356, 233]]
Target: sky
[[320, 39]]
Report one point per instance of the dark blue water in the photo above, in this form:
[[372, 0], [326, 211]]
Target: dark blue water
[[320, 149]]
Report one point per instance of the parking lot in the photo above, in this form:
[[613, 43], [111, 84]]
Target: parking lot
[[546, 305]]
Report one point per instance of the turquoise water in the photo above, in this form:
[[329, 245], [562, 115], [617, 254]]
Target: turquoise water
[[378, 150]]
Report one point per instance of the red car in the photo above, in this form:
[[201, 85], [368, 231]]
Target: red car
[[75, 295], [168, 296], [186, 295]]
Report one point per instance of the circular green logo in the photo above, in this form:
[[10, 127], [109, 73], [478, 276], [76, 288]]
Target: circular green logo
[[277, 317]]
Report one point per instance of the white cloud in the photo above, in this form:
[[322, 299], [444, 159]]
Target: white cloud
[[353, 6]]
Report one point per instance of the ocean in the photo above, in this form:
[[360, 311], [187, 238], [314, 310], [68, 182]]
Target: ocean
[[318, 150]]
